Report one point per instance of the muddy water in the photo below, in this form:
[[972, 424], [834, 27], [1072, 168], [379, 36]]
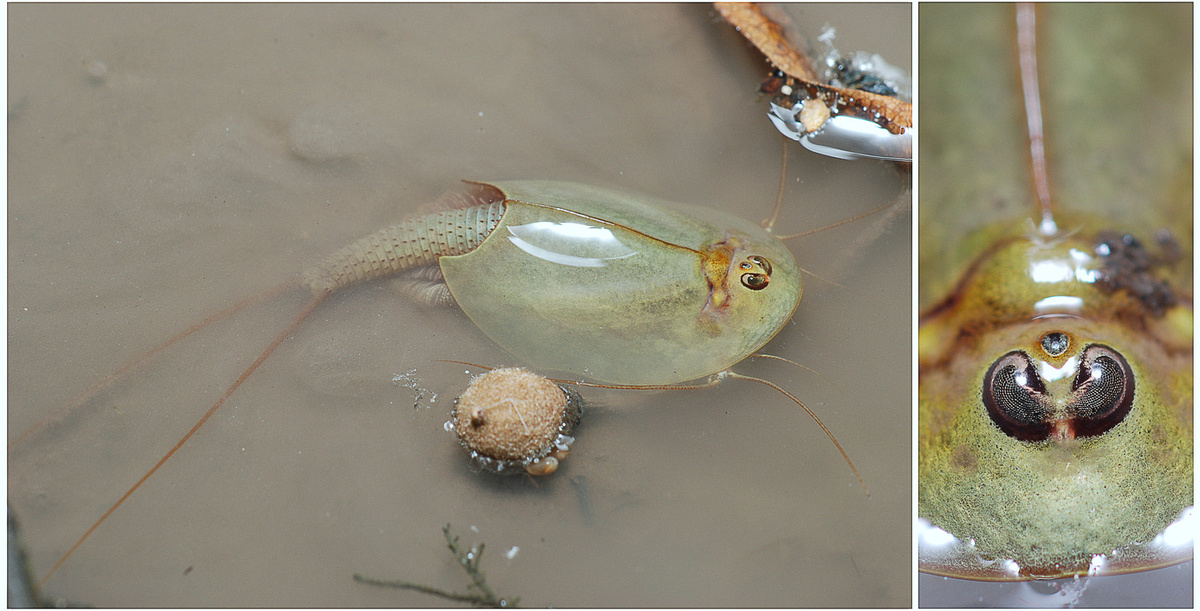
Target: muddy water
[[165, 161]]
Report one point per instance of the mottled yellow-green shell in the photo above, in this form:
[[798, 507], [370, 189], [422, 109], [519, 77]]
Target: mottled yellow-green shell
[[1116, 97], [613, 286], [1050, 506]]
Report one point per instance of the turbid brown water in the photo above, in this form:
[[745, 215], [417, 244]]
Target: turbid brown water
[[168, 161]]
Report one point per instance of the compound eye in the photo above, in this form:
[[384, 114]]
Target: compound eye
[[1016, 398], [762, 263], [1102, 391], [755, 282]]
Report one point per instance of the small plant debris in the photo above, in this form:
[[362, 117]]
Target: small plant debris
[[478, 591], [796, 77]]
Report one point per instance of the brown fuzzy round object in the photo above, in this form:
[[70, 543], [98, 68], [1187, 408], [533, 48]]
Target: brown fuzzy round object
[[512, 419]]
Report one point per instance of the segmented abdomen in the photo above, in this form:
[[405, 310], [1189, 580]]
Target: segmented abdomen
[[415, 242]]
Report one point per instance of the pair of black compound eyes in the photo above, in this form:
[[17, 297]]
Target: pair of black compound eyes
[[756, 281], [1100, 396]]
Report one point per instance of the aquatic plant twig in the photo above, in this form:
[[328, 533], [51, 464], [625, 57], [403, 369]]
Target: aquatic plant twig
[[479, 592]]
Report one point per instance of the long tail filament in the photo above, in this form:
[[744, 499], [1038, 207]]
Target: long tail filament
[[91, 391], [312, 305]]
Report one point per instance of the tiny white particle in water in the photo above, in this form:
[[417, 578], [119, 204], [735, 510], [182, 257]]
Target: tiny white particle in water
[[96, 69], [512, 553], [474, 528]]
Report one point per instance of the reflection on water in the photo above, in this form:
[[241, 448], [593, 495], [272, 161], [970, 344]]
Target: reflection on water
[[1134, 590], [166, 161]]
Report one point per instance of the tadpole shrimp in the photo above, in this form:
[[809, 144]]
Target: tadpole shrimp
[[340, 418]]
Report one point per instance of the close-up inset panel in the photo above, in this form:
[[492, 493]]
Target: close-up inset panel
[[1055, 305]]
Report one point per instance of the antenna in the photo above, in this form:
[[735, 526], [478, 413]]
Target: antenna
[[1027, 46]]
